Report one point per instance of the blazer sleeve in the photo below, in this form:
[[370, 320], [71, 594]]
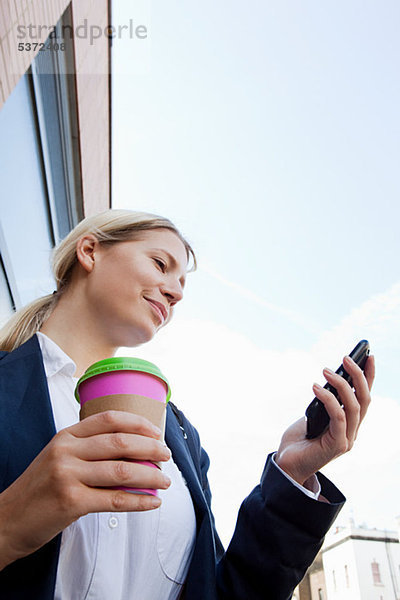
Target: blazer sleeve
[[278, 533]]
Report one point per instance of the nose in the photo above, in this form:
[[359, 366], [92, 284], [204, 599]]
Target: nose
[[172, 290]]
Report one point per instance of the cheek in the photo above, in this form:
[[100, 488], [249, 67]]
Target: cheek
[[113, 290], [120, 284]]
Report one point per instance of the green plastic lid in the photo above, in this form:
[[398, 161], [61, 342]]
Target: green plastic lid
[[122, 363]]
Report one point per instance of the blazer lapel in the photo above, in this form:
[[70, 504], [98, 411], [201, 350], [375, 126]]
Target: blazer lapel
[[183, 459], [200, 583], [26, 418]]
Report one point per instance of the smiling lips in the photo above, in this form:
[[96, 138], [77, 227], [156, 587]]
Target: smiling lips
[[158, 308]]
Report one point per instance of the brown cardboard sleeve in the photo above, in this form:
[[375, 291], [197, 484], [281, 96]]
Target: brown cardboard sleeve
[[153, 410]]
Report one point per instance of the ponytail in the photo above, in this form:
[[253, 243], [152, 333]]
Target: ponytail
[[26, 321]]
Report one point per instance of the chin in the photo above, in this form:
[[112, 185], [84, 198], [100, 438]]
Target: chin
[[137, 338], [130, 336]]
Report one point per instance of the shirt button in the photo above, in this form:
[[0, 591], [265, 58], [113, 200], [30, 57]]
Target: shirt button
[[113, 522]]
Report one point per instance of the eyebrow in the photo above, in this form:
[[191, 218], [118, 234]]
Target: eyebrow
[[172, 260]]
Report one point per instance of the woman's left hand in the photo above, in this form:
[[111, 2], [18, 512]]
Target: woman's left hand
[[300, 457]]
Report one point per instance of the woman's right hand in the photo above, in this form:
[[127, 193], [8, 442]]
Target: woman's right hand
[[69, 479]]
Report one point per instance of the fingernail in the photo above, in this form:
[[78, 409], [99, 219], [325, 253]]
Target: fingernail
[[348, 359], [326, 370], [157, 431], [167, 480], [317, 387], [155, 502]]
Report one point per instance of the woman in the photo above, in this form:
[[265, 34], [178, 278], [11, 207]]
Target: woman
[[63, 533]]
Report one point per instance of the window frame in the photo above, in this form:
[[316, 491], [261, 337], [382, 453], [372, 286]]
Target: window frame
[[55, 99], [376, 573], [6, 265]]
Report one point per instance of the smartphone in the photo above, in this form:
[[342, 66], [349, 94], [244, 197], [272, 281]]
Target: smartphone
[[316, 416]]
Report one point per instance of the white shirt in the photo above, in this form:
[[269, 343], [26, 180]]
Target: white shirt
[[119, 556]]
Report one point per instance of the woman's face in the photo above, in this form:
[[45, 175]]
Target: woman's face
[[133, 286]]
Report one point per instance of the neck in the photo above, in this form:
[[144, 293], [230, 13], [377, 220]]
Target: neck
[[72, 327]]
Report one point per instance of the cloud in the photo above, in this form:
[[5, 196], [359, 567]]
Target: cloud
[[378, 318], [368, 474]]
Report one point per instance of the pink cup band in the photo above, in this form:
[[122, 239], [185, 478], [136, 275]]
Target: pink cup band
[[123, 382], [146, 491]]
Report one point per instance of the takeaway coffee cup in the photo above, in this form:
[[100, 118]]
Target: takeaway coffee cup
[[129, 384]]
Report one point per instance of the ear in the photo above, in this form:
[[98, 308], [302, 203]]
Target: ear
[[86, 249]]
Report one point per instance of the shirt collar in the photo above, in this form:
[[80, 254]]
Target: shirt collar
[[55, 360]]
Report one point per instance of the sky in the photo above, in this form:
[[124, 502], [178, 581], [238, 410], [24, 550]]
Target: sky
[[268, 132]]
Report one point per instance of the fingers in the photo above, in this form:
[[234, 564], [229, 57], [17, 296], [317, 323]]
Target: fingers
[[114, 420], [113, 435], [355, 403], [118, 473], [361, 384], [369, 371], [337, 424], [85, 460], [351, 405], [121, 445], [98, 500]]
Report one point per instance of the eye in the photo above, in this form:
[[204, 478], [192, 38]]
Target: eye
[[160, 263]]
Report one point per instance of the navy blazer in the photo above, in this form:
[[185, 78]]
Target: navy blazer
[[278, 532]]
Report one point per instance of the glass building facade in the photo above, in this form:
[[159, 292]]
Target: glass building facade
[[41, 195]]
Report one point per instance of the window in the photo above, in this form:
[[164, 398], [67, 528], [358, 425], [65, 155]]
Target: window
[[346, 575], [26, 229], [320, 594], [376, 574], [334, 581], [41, 199]]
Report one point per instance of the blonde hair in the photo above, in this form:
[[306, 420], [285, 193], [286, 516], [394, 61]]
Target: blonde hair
[[109, 227]]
